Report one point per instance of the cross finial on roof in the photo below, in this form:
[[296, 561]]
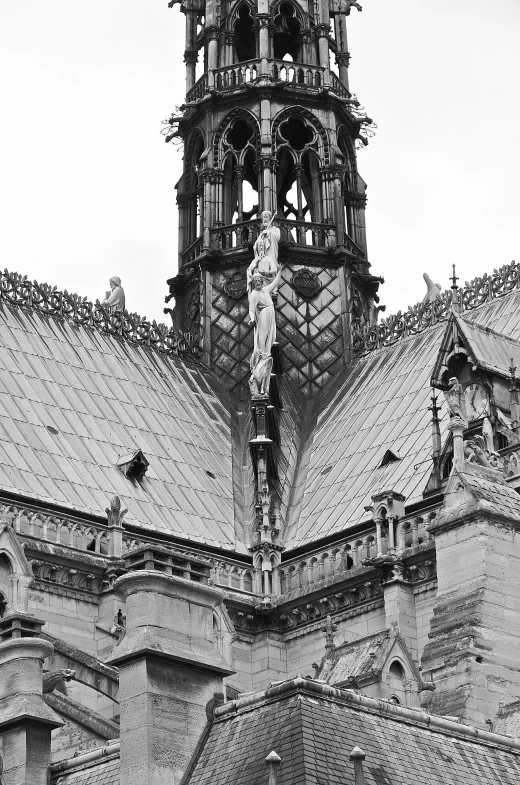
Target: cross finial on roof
[[454, 292], [329, 628]]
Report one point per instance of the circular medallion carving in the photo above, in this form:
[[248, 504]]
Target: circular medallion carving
[[236, 286], [306, 283]]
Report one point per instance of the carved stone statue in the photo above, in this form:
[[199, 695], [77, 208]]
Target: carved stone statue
[[53, 678], [434, 289], [261, 312], [346, 5], [262, 316], [453, 398], [266, 249], [115, 300]]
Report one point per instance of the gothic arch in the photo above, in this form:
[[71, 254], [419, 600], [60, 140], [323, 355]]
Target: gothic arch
[[299, 14], [225, 125], [300, 111], [234, 12]]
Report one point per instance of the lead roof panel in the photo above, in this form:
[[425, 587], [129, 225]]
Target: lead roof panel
[[106, 397]]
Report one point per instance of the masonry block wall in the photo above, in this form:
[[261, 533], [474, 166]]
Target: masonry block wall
[[472, 653]]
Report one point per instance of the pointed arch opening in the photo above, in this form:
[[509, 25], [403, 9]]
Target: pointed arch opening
[[287, 34], [244, 35]]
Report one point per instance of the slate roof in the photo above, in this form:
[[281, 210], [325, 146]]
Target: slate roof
[[490, 349], [74, 399], [485, 491], [353, 660], [314, 727], [100, 772]]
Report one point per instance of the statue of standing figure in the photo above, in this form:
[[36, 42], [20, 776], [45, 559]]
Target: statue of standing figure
[[266, 252], [263, 277]]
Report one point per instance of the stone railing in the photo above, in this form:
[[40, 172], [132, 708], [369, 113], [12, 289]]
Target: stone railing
[[17, 290], [232, 76], [199, 89], [324, 564], [308, 233], [300, 232], [297, 74], [423, 315], [235, 235], [55, 529], [338, 87], [193, 251]]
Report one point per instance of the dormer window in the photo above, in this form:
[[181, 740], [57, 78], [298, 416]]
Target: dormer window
[[389, 457], [133, 465]]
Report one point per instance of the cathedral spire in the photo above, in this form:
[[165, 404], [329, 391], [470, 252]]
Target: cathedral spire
[[271, 125]]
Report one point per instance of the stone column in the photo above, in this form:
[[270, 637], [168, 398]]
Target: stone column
[[26, 721], [400, 609], [456, 425], [212, 34], [323, 31], [170, 671]]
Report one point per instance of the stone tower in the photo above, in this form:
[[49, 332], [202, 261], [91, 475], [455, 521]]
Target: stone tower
[[270, 125]]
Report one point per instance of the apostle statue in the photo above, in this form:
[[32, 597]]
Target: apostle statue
[[115, 300], [266, 252], [262, 316]]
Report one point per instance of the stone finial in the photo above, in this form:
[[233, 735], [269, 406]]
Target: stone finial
[[114, 513], [357, 756], [433, 289], [329, 628], [273, 761]]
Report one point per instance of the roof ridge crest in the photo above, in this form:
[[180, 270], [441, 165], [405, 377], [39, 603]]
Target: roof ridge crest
[[17, 290], [400, 713], [480, 291]]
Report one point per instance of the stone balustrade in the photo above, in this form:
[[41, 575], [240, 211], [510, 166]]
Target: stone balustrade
[[297, 74], [232, 76], [349, 554]]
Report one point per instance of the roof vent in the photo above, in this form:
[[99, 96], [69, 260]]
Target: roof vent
[[389, 457], [133, 465]]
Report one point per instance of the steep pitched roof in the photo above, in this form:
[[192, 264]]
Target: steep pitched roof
[[380, 403], [73, 400], [474, 489], [491, 350], [361, 661], [314, 727]]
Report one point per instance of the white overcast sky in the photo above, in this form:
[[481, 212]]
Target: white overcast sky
[[87, 182]]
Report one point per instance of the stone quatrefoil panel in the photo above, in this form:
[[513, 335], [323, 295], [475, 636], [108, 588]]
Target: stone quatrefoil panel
[[309, 330]]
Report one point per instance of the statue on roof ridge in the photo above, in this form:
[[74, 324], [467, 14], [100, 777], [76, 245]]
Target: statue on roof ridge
[[115, 300], [434, 289]]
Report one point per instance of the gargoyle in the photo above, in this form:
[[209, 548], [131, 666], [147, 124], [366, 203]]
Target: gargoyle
[[53, 678], [346, 5]]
